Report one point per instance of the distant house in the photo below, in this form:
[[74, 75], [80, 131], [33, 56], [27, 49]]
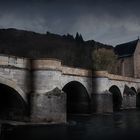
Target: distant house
[[129, 59]]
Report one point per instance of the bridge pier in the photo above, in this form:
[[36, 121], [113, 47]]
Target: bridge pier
[[102, 103], [48, 102], [129, 102], [49, 107], [101, 97]]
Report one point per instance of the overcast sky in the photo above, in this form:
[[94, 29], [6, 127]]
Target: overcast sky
[[107, 21]]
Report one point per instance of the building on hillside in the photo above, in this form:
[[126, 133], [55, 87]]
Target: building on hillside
[[128, 59]]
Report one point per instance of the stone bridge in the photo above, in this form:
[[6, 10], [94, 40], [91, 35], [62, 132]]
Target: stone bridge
[[44, 90], [113, 92]]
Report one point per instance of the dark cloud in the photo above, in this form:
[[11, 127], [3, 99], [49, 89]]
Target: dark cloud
[[107, 21]]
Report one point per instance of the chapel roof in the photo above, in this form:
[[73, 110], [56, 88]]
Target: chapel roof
[[126, 49]]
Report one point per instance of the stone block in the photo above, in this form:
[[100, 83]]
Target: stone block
[[129, 101], [49, 107], [102, 103]]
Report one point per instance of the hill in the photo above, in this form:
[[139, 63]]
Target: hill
[[72, 51]]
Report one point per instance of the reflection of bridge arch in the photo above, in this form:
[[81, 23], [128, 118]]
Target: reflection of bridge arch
[[116, 97], [12, 105], [78, 100]]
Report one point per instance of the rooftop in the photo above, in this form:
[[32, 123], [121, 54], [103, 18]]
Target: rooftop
[[126, 49]]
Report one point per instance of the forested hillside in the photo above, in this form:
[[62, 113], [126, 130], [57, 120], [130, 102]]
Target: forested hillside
[[73, 51]]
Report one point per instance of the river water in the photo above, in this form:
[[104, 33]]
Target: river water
[[117, 126]]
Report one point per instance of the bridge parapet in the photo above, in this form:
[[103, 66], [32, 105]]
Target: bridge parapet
[[13, 61], [115, 77], [56, 65], [76, 71], [46, 64]]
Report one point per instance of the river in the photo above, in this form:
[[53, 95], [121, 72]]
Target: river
[[116, 126]]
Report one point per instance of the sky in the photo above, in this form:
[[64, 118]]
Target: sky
[[107, 21]]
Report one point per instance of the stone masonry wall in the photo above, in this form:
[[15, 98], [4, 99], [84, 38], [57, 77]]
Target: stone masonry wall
[[46, 104], [137, 61], [16, 70], [125, 67], [44, 79]]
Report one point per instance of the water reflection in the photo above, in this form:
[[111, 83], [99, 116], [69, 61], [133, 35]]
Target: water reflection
[[120, 125]]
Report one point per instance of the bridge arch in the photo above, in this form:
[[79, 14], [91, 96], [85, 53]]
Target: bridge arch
[[14, 86], [78, 100], [12, 105], [129, 91], [116, 97], [134, 90]]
